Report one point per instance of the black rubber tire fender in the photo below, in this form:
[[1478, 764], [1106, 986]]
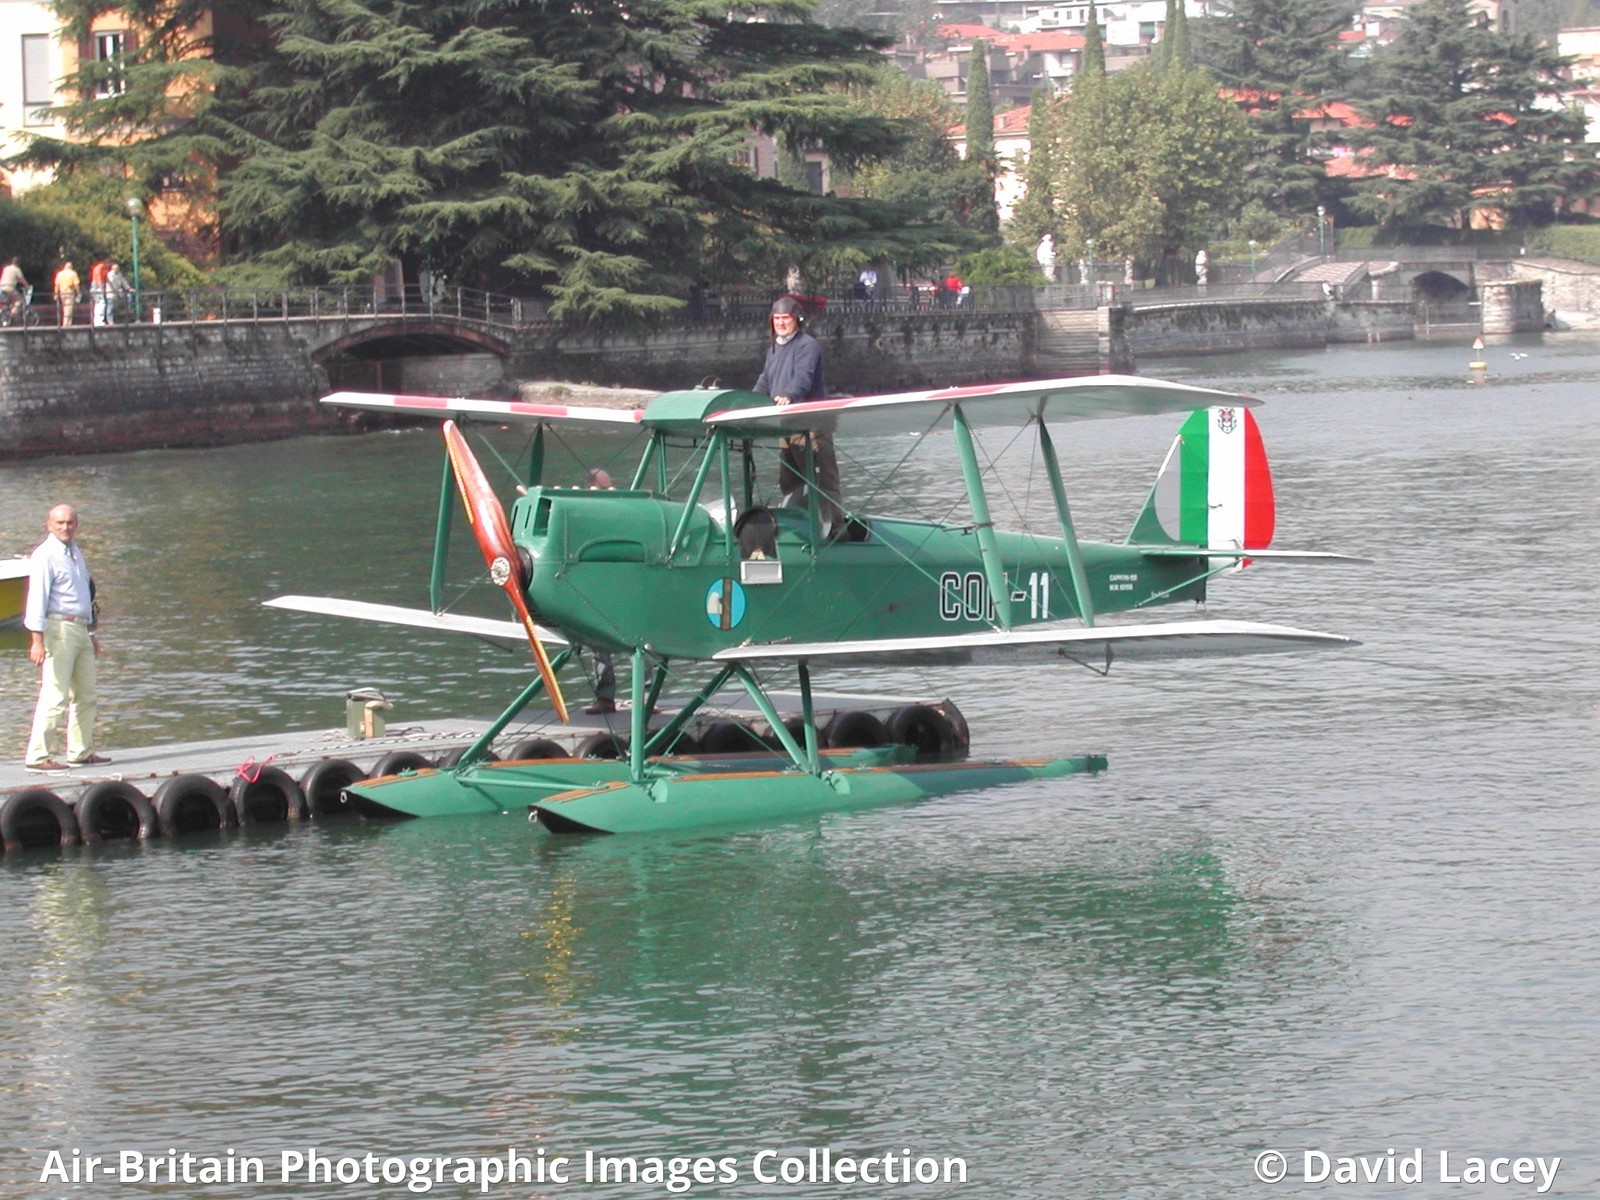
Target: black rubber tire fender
[[730, 737], [534, 748], [687, 746], [191, 803], [37, 817], [396, 761], [602, 745], [323, 787], [112, 810], [926, 730], [855, 729], [267, 796]]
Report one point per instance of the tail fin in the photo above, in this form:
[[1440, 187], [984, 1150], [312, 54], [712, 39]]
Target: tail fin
[[1214, 489]]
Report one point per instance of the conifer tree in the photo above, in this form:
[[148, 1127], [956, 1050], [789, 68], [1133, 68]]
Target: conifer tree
[[1094, 46], [145, 117], [1462, 119], [1175, 52], [594, 152], [1283, 57], [980, 135]]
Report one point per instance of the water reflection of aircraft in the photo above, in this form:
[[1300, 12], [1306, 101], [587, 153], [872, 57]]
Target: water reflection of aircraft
[[690, 565]]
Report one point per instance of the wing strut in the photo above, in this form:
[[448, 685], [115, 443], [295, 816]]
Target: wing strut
[[993, 569], [441, 536], [1080, 577]]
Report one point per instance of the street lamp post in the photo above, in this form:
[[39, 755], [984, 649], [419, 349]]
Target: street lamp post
[[1322, 232], [1089, 242], [135, 208], [1252, 260]]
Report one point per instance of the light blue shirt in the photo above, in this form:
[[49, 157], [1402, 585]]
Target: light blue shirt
[[58, 582]]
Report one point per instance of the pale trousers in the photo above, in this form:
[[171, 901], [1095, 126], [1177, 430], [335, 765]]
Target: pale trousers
[[66, 694]]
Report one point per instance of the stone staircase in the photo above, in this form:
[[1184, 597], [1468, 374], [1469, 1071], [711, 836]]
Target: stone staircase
[[1068, 343]]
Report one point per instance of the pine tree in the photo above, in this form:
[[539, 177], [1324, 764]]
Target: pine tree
[[1462, 121], [1283, 57], [980, 135], [594, 152]]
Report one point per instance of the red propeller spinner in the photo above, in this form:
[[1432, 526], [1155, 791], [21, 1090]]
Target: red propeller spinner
[[493, 532]]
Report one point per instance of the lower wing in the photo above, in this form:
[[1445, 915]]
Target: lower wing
[[1097, 647], [414, 618]]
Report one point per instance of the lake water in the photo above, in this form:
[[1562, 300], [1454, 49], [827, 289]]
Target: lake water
[[1341, 905]]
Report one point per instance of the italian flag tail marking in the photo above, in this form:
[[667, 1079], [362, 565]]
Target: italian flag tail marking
[[1215, 487]]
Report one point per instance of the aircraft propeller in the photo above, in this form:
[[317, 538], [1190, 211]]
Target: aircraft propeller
[[493, 533]]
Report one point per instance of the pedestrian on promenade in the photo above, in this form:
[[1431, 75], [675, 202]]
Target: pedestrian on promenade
[[118, 292], [13, 287], [63, 642], [99, 296], [67, 287]]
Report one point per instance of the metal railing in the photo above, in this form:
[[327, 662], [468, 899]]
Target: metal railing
[[257, 305], [729, 306]]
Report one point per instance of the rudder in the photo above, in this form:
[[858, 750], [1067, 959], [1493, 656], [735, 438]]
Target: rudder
[[1214, 488]]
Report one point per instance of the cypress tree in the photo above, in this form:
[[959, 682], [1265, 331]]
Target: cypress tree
[[980, 136], [1175, 37], [1094, 47]]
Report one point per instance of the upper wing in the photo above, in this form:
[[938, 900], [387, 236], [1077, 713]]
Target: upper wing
[[1078, 399], [509, 411], [1097, 647], [415, 618]]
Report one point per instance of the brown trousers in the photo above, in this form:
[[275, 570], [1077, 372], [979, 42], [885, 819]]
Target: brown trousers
[[792, 473]]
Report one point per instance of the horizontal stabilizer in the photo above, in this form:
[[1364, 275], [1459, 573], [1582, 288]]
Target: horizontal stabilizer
[[414, 618], [1098, 647], [998, 404], [1312, 556], [509, 412]]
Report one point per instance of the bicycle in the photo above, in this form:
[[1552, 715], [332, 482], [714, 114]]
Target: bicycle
[[19, 309]]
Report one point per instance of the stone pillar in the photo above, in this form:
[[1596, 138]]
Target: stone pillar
[[1512, 305]]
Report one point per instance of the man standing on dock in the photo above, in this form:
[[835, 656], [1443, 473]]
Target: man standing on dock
[[62, 640]]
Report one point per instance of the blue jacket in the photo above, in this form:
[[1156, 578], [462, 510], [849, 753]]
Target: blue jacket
[[793, 369]]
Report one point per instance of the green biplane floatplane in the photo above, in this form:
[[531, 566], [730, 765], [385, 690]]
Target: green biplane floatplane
[[718, 578]]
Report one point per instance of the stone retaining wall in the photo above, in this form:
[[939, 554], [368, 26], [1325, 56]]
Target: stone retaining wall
[[863, 353], [65, 391]]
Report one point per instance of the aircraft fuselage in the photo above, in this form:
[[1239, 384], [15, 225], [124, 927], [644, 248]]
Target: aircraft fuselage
[[606, 572]]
